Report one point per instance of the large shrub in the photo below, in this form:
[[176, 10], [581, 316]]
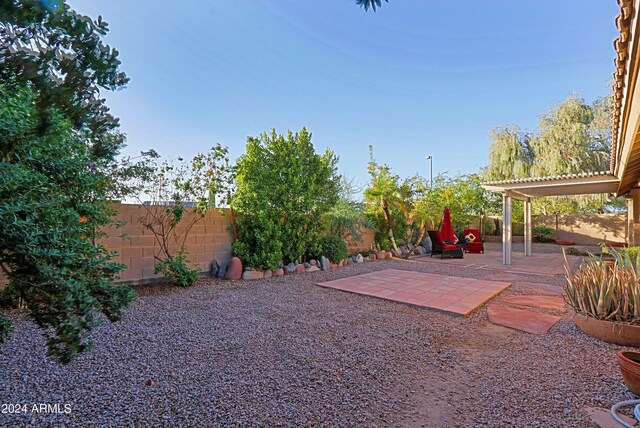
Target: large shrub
[[283, 187], [58, 145], [542, 233], [333, 248]]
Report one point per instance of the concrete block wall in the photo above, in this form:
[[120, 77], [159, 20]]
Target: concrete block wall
[[209, 238]]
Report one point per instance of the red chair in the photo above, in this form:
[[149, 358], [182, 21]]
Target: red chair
[[442, 248], [476, 246]]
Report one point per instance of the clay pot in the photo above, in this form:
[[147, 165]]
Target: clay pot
[[564, 242], [630, 367], [609, 331]]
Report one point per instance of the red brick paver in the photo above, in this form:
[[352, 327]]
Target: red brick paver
[[528, 321], [555, 303], [447, 293]]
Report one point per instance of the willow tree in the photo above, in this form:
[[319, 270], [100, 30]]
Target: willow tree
[[510, 154]]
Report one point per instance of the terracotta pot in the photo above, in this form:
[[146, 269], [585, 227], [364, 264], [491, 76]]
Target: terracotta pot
[[564, 242], [609, 331], [630, 367]]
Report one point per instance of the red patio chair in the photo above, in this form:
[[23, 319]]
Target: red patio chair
[[442, 248], [476, 246]]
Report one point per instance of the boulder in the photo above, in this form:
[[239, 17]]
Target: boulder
[[410, 247], [214, 268], [382, 254], [333, 266], [299, 268], [426, 243], [324, 263], [290, 268], [277, 272], [343, 262], [252, 274], [222, 272], [389, 256], [312, 269], [372, 257], [313, 263], [234, 271], [359, 258], [421, 250], [350, 260], [268, 274], [307, 265]]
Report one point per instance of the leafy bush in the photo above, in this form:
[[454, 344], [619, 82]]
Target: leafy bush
[[542, 233], [176, 270], [283, 188], [261, 246], [333, 248], [573, 251], [517, 229], [606, 292], [58, 150]]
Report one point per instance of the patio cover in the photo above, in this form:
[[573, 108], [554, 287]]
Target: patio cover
[[527, 188]]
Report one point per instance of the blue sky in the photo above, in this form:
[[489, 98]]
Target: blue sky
[[416, 78]]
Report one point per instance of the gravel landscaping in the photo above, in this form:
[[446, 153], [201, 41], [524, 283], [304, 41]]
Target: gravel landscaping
[[284, 352]]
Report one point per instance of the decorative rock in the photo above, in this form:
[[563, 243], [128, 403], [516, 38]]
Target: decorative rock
[[426, 243], [373, 257], [312, 269], [359, 258], [350, 261], [410, 247], [394, 253], [290, 268], [268, 274], [281, 265], [389, 256], [214, 269], [313, 263], [299, 268], [234, 271], [222, 272], [421, 250], [307, 265], [343, 262], [277, 272], [324, 263], [252, 274], [382, 254], [333, 266]]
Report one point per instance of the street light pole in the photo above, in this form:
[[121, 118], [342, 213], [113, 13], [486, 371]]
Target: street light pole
[[430, 159]]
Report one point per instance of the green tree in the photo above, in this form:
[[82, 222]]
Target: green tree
[[510, 154], [283, 188], [58, 148], [346, 218], [370, 4], [386, 197]]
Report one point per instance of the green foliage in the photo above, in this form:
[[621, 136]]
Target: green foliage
[[542, 233], [261, 246], [573, 251], [333, 248], [572, 137], [347, 217], [283, 189], [370, 4], [176, 269], [58, 145], [180, 193]]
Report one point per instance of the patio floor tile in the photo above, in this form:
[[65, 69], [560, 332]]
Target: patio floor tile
[[447, 293], [541, 302], [519, 319]]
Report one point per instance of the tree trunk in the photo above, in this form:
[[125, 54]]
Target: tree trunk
[[387, 217], [423, 227]]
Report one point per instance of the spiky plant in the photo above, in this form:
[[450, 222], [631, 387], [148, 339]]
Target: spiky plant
[[373, 4], [605, 291]]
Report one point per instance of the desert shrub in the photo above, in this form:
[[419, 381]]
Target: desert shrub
[[542, 233], [573, 251], [606, 292], [283, 188], [176, 269], [333, 248], [517, 229]]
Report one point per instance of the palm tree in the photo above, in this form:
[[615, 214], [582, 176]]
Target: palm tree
[[373, 4]]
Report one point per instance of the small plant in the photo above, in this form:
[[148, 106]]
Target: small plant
[[605, 292], [333, 248], [573, 251], [542, 233], [176, 270]]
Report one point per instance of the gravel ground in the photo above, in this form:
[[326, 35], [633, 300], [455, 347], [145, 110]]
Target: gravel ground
[[284, 352]]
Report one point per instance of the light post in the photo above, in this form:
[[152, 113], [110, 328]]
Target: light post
[[430, 159]]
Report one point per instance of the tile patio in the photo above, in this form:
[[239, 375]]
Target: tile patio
[[447, 293]]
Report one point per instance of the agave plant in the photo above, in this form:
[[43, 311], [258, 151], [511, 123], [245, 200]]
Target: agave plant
[[603, 290]]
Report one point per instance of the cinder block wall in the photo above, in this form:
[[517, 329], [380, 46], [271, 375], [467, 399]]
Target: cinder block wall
[[209, 238], [586, 229]]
